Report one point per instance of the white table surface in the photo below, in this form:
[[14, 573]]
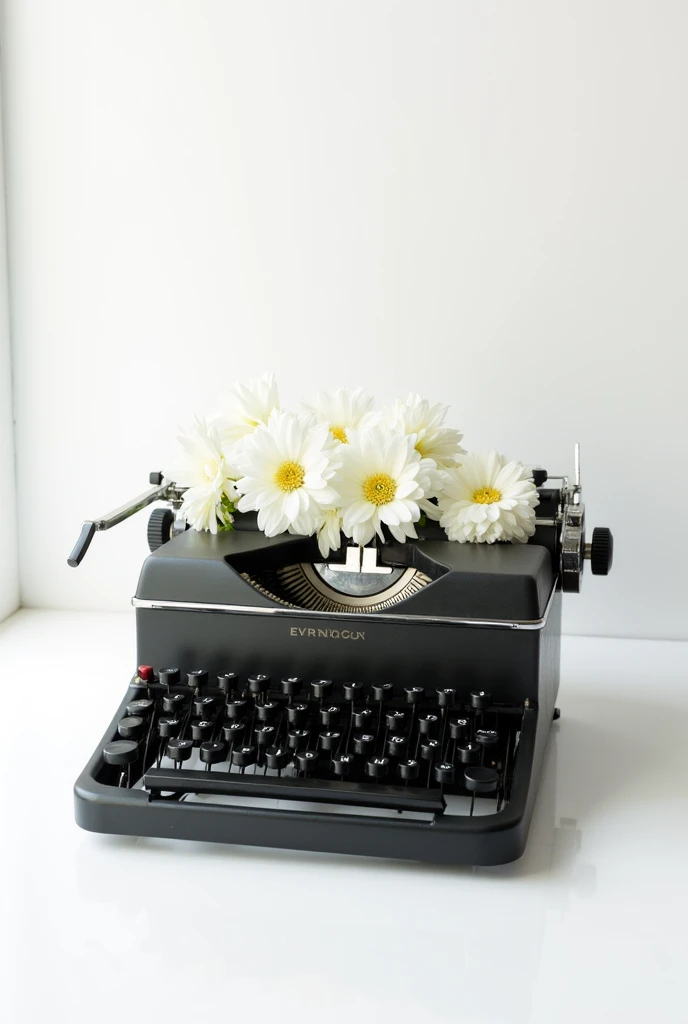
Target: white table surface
[[590, 925]]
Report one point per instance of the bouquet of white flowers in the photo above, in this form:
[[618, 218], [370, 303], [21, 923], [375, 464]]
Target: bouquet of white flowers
[[338, 466]]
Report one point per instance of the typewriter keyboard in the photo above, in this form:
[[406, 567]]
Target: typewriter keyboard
[[418, 751]]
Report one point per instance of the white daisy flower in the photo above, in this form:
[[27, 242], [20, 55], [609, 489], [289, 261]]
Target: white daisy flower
[[342, 410], [330, 532], [287, 466], [248, 405], [488, 499], [382, 481], [203, 469], [424, 422]]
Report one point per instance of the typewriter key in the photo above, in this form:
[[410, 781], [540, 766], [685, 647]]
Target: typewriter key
[[172, 703], [395, 719], [265, 735], [486, 737], [169, 727], [364, 718], [307, 761], [233, 731], [297, 739], [321, 688], [382, 691], [414, 694], [408, 770], [121, 752], [341, 763], [144, 674], [329, 740], [212, 752], [430, 750], [228, 682], [459, 728], [197, 679], [130, 728], [140, 707], [291, 686], [259, 684], [179, 750], [469, 753], [169, 676], [364, 743], [277, 758], [267, 712], [236, 709], [204, 707], [297, 714], [377, 767], [427, 724], [480, 780], [352, 691], [480, 699], [446, 697], [242, 757], [201, 731], [330, 715], [396, 746], [444, 773]]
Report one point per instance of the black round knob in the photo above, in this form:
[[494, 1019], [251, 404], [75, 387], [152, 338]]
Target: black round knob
[[267, 712], [414, 694], [130, 728], [446, 697], [329, 740], [236, 709], [204, 707], [297, 714], [341, 763], [169, 676], [140, 707], [364, 743], [459, 728], [212, 751], [352, 690], [444, 773], [382, 691], [228, 681], [430, 750], [197, 678], [277, 758], [307, 761], [486, 737], [233, 732], [172, 703], [480, 780], [179, 750], [265, 735], [330, 715], [169, 727], [395, 719], [377, 767], [259, 683], [201, 731], [601, 551], [468, 753], [291, 686], [408, 770], [396, 746], [121, 752], [480, 699], [160, 524], [244, 756], [321, 687], [297, 739], [427, 724], [364, 718]]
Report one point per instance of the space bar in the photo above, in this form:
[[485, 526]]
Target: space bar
[[219, 783]]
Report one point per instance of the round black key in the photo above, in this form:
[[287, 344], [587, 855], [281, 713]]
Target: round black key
[[212, 751], [330, 715], [408, 770], [236, 709], [397, 746], [265, 735], [291, 686], [395, 719], [197, 678], [459, 728], [321, 688], [169, 727], [179, 750], [259, 683], [427, 724], [486, 737], [233, 732], [204, 707], [329, 740], [382, 691], [140, 707], [480, 780], [121, 752], [131, 728], [297, 739], [377, 767], [342, 763], [352, 691], [364, 718], [201, 731], [172, 703], [242, 757], [364, 743], [430, 750], [414, 694], [169, 676], [480, 699], [267, 712], [228, 681], [297, 714], [277, 758], [468, 753], [446, 697], [307, 760], [444, 773]]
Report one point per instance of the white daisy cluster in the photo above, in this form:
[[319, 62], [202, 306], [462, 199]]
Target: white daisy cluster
[[338, 467]]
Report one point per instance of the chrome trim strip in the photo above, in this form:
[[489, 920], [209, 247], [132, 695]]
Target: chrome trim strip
[[439, 620]]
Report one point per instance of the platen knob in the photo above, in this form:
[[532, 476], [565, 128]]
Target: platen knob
[[159, 527], [601, 551]]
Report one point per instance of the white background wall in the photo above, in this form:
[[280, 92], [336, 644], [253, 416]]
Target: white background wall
[[9, 574], [483, 201]]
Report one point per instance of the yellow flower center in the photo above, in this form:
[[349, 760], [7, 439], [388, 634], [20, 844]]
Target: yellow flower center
[[379, 489], [289, 476], [486, 496], [340, 434]]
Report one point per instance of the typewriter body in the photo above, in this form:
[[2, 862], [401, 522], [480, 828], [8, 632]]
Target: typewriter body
[[394, 701]]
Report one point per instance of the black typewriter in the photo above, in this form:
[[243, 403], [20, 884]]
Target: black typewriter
[[394, 701]]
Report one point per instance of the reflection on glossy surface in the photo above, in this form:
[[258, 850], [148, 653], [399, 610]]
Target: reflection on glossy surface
[[588, 925]]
